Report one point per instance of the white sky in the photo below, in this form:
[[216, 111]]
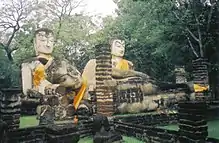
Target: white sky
[[101, 7]]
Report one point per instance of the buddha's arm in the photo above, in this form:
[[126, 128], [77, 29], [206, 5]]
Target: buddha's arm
[[131, 65], [117, 73], [26, 77]]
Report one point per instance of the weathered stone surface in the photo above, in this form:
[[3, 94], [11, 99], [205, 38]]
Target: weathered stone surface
[[47, 115], [200, 71], [103, 72], [180, 74]]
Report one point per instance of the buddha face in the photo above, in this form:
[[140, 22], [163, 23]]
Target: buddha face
[[118, 48], [44, 42]]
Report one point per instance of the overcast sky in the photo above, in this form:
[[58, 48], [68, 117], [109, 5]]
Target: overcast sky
[[101, 7]]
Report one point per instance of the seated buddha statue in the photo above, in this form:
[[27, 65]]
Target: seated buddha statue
[[33, 69], [45, 75]]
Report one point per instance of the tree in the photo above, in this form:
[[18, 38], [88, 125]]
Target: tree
[[60, 10], [75, 43], [139, 24], [195, 18], [13, 13]]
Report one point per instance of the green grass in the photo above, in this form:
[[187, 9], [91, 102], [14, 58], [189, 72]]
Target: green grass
[[28, 121], [213, 129]]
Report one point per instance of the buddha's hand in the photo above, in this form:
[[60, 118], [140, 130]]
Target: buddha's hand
[[32, 93]]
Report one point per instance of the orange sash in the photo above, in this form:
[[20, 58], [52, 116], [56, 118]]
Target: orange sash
[[123, 65], [80, 94], [199, 88], [38, 75]]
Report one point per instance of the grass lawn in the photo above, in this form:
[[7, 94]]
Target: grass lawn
[[28, 121]]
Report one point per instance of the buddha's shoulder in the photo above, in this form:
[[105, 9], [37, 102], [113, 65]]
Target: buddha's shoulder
[[129, 62], [92, 61]]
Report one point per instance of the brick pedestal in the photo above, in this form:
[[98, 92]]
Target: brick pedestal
[[10, 107], [192, 122]]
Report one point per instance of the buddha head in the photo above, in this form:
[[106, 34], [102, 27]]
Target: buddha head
[[117, 47], [43, 42]]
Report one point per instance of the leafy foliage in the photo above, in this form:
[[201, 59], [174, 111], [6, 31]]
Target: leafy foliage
[[159, 34]]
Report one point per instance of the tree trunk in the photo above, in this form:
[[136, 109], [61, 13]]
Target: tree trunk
[[10, 57]]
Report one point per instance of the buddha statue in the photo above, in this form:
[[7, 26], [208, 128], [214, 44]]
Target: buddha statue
[[46, 75], [33, 70], [122, 72], [122, 69], [118, 51]]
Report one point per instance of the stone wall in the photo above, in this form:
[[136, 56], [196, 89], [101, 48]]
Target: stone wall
[[10, 107], [146, 133], [58, 133], [148, 119], [192, 122]]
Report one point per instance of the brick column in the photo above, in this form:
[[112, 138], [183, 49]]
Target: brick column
[[104, 95], [200, 75]]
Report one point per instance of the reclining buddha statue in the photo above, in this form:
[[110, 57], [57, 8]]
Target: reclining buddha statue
[[135, 91], [46, 76]]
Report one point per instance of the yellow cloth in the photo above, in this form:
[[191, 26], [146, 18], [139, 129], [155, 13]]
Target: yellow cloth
[[199, 88], [80, 94], [123, 65], [39, 72], [38, 75]]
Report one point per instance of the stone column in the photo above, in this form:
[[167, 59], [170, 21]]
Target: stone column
[[10, 107], [104, 95], [192, 122], [200, 71], [200, 75], [180, 74]]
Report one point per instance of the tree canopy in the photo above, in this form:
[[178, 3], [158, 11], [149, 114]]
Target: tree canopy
[[159, 34]]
